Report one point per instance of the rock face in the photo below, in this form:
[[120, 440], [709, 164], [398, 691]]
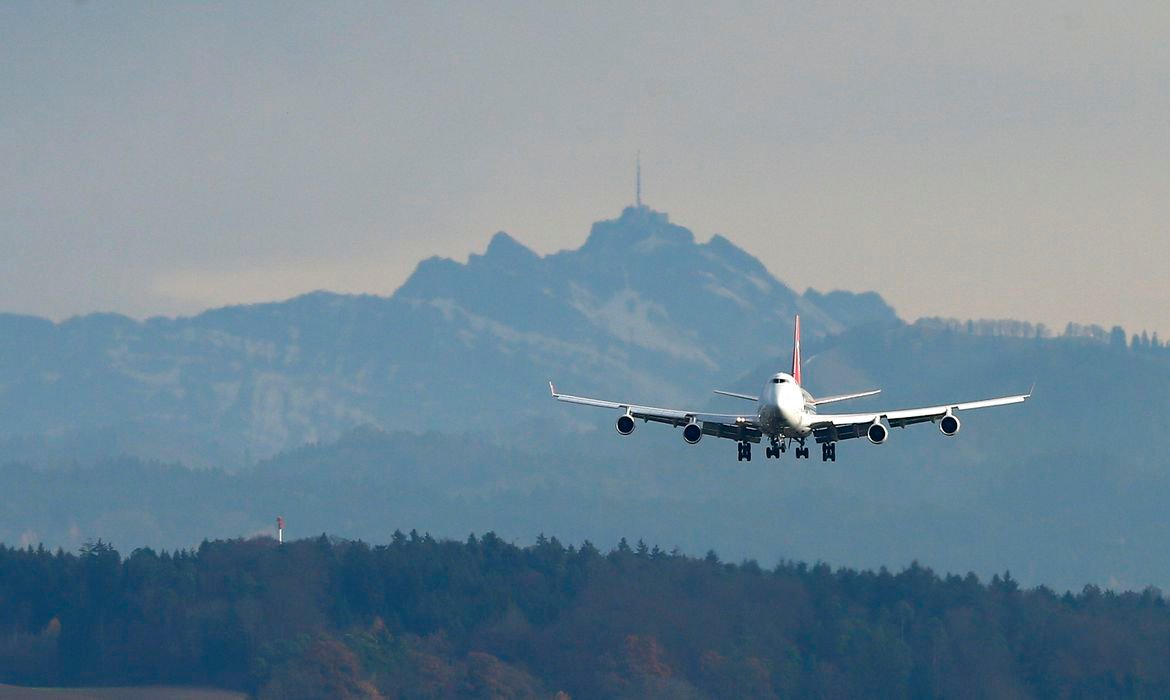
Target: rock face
[[640, 309]]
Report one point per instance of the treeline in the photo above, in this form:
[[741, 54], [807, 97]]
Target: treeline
[[1010, 328], [421, 617], [999, 327]]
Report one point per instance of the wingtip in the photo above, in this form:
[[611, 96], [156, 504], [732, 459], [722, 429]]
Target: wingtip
[[552, 390]]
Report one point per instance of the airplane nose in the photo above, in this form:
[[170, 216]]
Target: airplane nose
[[790, 405], [790, 416]]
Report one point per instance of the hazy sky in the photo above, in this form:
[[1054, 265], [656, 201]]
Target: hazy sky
[[993, 159]]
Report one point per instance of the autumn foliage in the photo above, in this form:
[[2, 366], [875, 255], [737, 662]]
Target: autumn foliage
[[426, 618]]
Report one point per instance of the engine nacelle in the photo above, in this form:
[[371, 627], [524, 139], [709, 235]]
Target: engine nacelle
[[692, 433], [625, 425], [877, 433], [949, 425]]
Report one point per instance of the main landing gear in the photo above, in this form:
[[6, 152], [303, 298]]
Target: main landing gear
[[779, 447]]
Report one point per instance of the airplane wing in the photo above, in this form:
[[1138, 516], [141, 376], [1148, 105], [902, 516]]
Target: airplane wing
[[734, 426], [843, 426], [845, 397], [737, 395]]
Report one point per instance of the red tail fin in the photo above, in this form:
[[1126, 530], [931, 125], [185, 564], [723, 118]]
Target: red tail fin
[[796, 351]]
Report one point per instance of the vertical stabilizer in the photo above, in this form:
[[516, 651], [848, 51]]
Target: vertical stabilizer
[[796, 351]]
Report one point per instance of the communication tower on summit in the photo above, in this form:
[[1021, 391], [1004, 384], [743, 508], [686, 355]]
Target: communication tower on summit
[[638, 180], [280, 529]]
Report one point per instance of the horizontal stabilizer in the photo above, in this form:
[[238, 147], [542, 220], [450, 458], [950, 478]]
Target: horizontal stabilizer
[[734, 395], [845, 397]]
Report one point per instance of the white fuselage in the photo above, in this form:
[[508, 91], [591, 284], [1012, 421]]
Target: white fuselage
[[785, 408]]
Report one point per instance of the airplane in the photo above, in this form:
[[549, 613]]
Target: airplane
[[786, 414]]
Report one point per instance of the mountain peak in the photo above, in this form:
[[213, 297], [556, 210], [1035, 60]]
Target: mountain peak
[[506, 249], [643, 214], [639, 227]]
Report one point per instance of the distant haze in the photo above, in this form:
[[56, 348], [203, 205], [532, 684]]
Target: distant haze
[[986, 160]]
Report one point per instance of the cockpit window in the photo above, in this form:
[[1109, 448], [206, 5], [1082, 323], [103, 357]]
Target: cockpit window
[[777, 380]]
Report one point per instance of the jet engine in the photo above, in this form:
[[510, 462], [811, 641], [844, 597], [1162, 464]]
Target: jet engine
[[625, 425], [877, 433], [692, 433], [949, 425]]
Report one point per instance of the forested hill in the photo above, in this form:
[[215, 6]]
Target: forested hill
[[421, 617]]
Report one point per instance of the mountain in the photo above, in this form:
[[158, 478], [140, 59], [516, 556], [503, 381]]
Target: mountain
[[641, 307], [428, 409]]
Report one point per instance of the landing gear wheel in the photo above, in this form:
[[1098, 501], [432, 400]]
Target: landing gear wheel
[[802, 453], [829, 452], [774, 450], [745, 452]]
